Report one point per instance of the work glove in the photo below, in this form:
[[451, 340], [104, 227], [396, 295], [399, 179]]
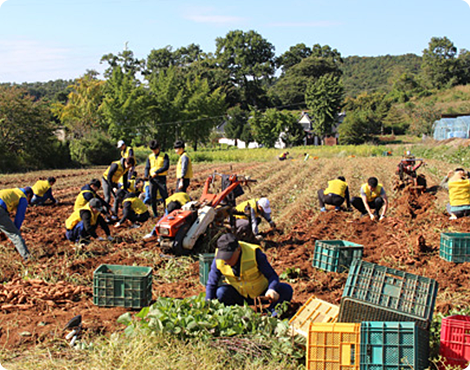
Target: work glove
[[117, 225], [259, 237], [110, 238], [372, 217], [272, 295], [381, 217]]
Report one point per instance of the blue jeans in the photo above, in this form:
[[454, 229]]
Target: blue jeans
[[229, 296], [41, 200], [76, 233]]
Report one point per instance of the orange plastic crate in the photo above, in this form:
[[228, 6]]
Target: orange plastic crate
[[333, 346]]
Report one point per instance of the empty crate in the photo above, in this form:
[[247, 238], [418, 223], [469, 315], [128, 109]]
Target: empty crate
[[455, 247], [124, 286], [314, 310], [455, 340], [393, 346], [379, 293], [335, 255], [333, 346]]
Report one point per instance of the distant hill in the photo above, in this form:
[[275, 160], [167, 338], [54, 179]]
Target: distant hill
[[371, 74]]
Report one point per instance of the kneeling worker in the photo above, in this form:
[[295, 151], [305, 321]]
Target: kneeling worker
[[248, 273], [335, 194], [82, 223], [253, 209], [459, 194], [133, 209], [373, 196], [42, 190]]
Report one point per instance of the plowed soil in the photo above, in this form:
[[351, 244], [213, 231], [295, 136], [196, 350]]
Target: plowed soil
[[38, 298]]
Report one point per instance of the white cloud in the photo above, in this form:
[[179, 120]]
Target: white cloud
[[1, 2], [306, 24], [208, 15], [468, 2]]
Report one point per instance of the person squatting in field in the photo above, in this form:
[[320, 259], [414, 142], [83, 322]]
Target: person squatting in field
[[335, 194], [82, 224], [42, 190], [111, 178], [373, 196], [459, 194], [133, 209], [253, 210], [156, 171], [15, 200], [248, 274]]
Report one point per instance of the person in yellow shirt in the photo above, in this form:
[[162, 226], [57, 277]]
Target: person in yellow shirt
[[127, 152], [184, 168], [373, 197], [254, 210], [335, 194], [133, 209], [42, 190], [248, 273], [156, 171], [459, 194]]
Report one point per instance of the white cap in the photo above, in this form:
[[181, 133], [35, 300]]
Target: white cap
[[120, 143], [264, 203]]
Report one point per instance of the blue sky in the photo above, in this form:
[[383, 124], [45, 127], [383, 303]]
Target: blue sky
[[42, 40]]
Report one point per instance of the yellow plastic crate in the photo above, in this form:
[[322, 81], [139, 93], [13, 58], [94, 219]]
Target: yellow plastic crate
[[333, 346], [314, 310]]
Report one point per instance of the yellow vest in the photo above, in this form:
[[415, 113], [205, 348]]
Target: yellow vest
[[75, 218], [125, 153], [189, 172], [40, 187], [241, 208], [337, 187], [81, 202], [181, 197], [11, 197], [251, 282], [136, 204], [459, 193], [156, 162], [121, 171], [371, 195]]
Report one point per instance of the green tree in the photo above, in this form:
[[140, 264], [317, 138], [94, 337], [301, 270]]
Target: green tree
[[250, 59], [357, 128], [463, 67], [323, 98], [439, 63], [293, 56], [81, 114], [292, 132], [237, 119], [423, 118]]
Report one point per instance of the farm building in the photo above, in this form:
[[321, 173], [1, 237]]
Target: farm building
[[450, 127]]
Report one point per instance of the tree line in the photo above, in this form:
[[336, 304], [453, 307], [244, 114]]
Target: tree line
[[186, 93]]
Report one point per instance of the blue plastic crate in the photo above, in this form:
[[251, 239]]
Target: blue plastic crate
[[336, 255], [378, 293], [455, 247], [393, 346]]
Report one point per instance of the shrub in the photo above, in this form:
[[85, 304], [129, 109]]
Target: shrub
[[96, 149]]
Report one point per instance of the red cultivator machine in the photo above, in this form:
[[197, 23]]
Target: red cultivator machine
[[199, 223]]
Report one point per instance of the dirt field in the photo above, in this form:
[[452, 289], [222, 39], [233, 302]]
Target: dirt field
[[37, 299]]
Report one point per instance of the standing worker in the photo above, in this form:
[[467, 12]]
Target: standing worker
[[127, 152], [373, 196], [253, 210], [248, 273], [133, 209], [82, 223], [111, 177], [335, 194], [184, 169], [42, 190], [15, 200], [156, 170]]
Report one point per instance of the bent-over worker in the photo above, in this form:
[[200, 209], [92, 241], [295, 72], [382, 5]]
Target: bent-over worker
[[42, 190], [373, 196], [459, 194], [253, 210], [15, 200], [133, 209], [248, 273]]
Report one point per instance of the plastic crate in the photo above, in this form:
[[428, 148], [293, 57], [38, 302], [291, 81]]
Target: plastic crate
[[393, 346], [379, 293], [335, 255], [455, 340], [123, 286], [333, 346], [205, 262], [314, 310], [455, 247]]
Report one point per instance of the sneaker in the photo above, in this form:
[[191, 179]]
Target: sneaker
[[322, 209], [148, 236], [453, 217], [135, 225]]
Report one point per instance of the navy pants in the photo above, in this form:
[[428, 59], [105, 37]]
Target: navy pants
[[229, 296], [41, 200]]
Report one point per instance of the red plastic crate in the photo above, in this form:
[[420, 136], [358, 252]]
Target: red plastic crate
[[455, 340]]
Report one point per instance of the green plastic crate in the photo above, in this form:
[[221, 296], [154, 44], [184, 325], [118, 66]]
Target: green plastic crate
[[205, 262], [123, 286], [393, 346], [455, 247], [335, 255], [378, 293]]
